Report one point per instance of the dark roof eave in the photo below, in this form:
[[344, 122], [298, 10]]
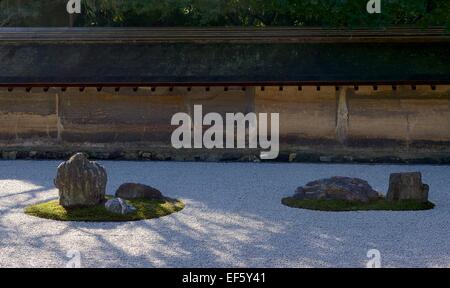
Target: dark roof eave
[[223, 34], [32, 59]]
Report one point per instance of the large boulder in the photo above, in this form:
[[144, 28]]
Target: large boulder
[[131, 191], [407, 186], [337, 188], [119, 206], [80, 182]]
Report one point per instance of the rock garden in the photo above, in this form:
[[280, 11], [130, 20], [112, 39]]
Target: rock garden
[[406, 193], [82, 197]]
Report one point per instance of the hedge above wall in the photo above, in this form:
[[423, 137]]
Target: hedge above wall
[[201, 13]]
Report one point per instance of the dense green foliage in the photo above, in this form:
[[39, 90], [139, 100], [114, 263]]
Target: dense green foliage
[[260, 13], [342, 206]]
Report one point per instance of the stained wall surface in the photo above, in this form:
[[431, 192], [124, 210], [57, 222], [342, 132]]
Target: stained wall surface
[[326, 123]]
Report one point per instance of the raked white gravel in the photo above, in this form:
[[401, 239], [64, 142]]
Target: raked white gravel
[[233, 218]]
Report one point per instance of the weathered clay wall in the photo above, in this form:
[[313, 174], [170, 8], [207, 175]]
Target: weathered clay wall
[[316, 124], [403, 115], [26, 116]]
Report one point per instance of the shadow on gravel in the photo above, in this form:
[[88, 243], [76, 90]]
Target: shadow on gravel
[[233, 218]]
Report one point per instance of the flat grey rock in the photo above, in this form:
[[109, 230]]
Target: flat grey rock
[[119, 206], [337, 188]]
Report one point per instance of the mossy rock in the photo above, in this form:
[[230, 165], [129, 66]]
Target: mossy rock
[[342, 205], [145, 209]]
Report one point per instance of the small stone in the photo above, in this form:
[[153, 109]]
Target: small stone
[[131, 191], [80, 182], [146, 155], [292, 157], [407, 186], [248, 158], [119, 206], [337, 188], [325, 159], [159, 157], [131, 156]]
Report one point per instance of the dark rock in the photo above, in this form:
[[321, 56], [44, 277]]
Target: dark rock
[[407, 186], [80, 182], [292, 157], [337, 188], [138, 191], [9, 155], [146, 155], [131, 155], [119, 206]]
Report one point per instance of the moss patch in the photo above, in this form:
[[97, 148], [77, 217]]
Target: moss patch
[[342, 205], [146, 209]]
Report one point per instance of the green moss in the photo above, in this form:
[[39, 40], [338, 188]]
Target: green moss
[[146, 209], [342, 205]]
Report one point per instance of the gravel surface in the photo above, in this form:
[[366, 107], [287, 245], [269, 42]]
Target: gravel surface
[[233, 218]]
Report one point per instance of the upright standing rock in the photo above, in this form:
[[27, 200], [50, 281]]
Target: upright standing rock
[[80, 182], [407, 186]]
